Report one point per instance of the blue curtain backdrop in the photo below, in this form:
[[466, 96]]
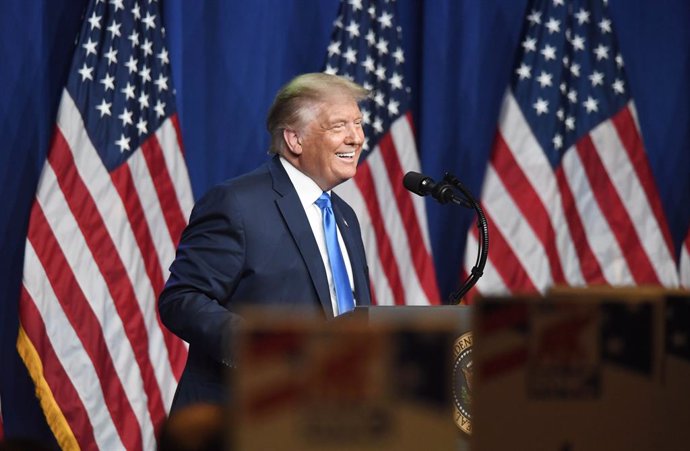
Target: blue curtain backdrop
[[230, 57]]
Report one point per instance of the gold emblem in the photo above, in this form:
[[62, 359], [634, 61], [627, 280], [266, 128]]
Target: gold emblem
[[462, 382]]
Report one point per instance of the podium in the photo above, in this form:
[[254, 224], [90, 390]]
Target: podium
[[459, 314], [378, 378], [459, 318], [596, 369]]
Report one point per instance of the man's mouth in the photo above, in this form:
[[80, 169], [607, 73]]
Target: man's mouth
[[345, 155]]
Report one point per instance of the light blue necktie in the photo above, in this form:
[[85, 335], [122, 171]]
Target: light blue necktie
[[343, 291]]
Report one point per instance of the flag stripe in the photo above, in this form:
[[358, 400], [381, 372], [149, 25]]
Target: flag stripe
[[402, 132], [623, 176], [79, 318], [404, 271], [178, 146], [641, 197], [35, 279], [172, 212], [615, 212], [685, 262], [170, 139], [521, 142], [177, 196], [570, 160], [365, 182], [104, 224], [397, 233], [631, 141], [165, 251], [77, 429], [511, 271], [124, 183], [113, 197], [603, 242], [508, 221], [380, 290], [529, 203], [374, 299], [414, 240], [590, 267], [490, 280], [142, 187], [107, 258]]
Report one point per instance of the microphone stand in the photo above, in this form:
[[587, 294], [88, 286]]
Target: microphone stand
[[483, 248]]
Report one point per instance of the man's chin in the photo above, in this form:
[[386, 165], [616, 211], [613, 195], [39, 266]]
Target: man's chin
[[347, 175], [344, 176]]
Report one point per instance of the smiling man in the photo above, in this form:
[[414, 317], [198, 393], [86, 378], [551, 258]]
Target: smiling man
[[276, 236]]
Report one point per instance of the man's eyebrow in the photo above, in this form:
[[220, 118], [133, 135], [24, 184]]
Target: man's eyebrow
[[338, 119]]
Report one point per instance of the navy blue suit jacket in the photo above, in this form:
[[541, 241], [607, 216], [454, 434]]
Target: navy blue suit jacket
[[248, 243]]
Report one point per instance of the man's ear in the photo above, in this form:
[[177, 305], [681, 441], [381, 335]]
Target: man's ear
[[293, 141]]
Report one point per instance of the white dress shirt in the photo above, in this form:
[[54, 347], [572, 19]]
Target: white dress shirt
[[308, 192]]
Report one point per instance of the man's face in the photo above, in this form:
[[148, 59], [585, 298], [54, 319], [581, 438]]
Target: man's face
[[331, 142]]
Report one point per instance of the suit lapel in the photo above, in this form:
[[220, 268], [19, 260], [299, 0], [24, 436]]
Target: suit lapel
[[357, 258], [291, 209]]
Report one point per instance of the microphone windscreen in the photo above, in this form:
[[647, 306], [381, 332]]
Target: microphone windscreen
[[413, 181]]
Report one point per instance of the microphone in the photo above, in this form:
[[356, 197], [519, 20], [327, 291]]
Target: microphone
[[443, 192], [422, 185]]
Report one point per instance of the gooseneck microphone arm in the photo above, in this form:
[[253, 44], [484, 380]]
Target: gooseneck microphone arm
[[483, 249], [444, 192]]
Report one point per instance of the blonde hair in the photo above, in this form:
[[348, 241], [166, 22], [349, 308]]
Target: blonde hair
[[296, 102]]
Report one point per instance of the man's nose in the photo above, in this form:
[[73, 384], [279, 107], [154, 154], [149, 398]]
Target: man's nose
[[355, 134]]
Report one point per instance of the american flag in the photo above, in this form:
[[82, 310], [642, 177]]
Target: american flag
[[112, 200], [366, 47], [568, 192], [685, 262]]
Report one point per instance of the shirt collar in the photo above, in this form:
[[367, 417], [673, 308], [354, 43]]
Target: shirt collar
[[307, 189]]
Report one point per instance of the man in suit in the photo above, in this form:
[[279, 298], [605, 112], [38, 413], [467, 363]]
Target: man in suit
[[264, 239]]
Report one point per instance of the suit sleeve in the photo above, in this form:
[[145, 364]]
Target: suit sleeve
[[205, 272]]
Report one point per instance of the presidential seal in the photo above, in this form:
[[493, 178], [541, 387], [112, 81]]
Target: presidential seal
[[462, 381]]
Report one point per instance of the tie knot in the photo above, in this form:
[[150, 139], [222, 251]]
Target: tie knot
[[324, 201]]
